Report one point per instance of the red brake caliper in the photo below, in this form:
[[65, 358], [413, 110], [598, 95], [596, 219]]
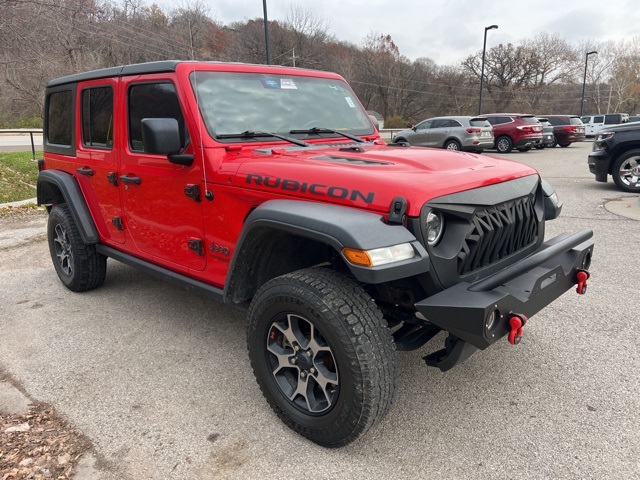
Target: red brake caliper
[[582, 276], [516, 323]]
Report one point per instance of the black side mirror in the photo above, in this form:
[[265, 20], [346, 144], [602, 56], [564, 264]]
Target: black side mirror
[[161, 136]]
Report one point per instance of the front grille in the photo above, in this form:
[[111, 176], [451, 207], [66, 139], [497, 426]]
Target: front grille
[[498, 232]]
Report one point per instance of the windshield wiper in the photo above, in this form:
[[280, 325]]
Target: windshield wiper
[[254, 134], [327, 130]]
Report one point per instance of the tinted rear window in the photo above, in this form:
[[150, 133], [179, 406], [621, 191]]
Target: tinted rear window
[[575, 121], [479, 122], [528, 119]]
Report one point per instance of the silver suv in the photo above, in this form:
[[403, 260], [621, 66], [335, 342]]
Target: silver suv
[[453, 133]]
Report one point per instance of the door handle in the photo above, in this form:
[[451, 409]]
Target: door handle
[[128, 179], [85, 171]]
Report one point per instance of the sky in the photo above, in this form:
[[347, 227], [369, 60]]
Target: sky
[[449, 31]]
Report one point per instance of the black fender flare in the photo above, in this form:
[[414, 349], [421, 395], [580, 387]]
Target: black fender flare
[[52, 184], [334, 225]]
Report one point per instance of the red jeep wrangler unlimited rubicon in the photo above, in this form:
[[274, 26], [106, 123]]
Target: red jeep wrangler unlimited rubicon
[[270, 188]]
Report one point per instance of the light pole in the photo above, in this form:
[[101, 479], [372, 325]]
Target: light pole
[[584, 80], [266, 29], [484, 49]]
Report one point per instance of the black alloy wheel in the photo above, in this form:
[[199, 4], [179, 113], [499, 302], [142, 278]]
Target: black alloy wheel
[[322, 355]]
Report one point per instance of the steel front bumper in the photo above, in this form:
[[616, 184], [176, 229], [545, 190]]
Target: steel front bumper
[[478, 314]]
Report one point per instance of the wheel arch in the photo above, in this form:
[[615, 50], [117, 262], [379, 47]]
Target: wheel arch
[[281, 236], [54, 187], [452, 138], [620, 150]]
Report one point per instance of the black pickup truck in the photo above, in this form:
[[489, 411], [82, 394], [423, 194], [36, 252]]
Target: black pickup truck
[[616, 152]]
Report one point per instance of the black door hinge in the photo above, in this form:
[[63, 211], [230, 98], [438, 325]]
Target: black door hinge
[[112, 178], [196, 245], [117, 222], [192, 191]]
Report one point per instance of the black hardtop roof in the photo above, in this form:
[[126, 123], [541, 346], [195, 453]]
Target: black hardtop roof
[[135, 69]]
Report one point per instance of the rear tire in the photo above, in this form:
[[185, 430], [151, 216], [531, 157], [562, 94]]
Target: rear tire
[[565, 145], [554, 143], [78, 265], [322, 355], [504, 144]]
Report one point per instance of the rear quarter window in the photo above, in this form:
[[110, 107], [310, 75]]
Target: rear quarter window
[[60, 118]]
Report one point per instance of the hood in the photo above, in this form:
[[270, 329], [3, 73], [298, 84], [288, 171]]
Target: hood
[[370, 177], [622, 127]]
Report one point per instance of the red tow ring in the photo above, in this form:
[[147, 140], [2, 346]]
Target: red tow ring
[[582, 276], [516, 323]]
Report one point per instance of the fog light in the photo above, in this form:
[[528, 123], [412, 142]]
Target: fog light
[[491, 322]]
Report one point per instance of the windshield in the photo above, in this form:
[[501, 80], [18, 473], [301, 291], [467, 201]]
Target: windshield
[[231, 103]]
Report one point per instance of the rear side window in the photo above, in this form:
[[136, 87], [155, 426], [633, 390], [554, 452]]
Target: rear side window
[[153, 100], [60, 118], [97, 117], [612, 119]]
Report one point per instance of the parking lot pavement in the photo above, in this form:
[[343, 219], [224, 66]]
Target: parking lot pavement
[[158, 378]]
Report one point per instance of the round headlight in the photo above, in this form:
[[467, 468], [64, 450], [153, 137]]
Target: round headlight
[[435, 227]]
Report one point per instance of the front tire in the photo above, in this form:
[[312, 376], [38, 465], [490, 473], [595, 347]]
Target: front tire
[[78, 265], [626, 171], [322, 355], [452, 145]]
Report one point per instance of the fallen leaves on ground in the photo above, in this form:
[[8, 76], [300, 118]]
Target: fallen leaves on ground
[[39, 445]]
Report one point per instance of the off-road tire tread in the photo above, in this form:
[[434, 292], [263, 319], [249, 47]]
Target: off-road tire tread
[[90, 267], [367, 331]]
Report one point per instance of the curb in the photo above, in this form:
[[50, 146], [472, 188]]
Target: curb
[[628, 207], [20, 203]]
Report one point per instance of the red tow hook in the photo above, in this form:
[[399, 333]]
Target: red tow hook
[[516, 322], [582, 276]]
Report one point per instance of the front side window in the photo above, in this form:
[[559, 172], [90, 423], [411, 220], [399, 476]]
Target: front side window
[[97, 117], [424, 125], [60, 118], [232, 103], [153, 100]]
